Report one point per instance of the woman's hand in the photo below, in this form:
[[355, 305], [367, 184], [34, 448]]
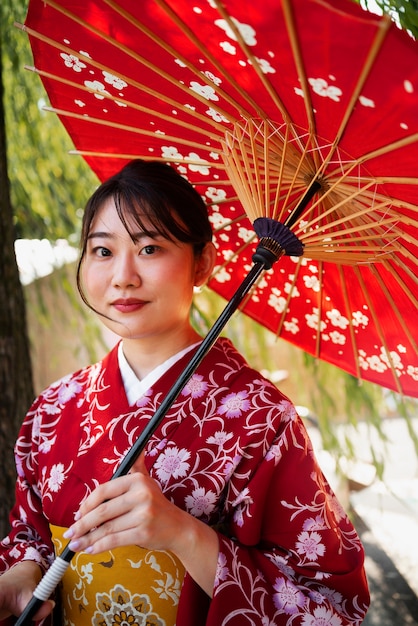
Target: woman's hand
[[132, 510], [16, 590]]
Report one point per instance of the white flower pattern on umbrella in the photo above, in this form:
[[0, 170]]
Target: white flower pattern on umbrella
[[72, 61]]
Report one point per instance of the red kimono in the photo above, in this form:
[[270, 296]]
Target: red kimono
[[233, 452]]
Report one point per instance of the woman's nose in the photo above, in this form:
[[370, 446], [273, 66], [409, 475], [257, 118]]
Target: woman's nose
[[126, 272]]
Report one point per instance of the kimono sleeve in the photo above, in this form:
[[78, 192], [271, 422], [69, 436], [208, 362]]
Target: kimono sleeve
[[292, 556], [29, 537]]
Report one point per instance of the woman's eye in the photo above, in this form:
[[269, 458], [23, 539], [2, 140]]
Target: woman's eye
[[100, 251], [146, 250]]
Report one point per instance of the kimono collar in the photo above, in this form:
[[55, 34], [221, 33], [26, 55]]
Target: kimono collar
[[136, 388]]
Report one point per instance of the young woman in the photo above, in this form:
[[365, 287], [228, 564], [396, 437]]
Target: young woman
[[226, 518]]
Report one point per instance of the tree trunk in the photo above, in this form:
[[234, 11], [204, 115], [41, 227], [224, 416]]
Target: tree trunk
[[16, 388]]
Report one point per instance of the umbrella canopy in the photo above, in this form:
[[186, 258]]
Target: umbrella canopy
[[256, 103]]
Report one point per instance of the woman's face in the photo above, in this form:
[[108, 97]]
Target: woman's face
[[144, 288]]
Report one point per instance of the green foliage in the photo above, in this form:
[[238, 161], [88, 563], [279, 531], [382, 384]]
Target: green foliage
[[47, 194], [404, 12]]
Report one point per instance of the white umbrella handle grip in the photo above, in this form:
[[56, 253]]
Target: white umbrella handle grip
[[44, 590]]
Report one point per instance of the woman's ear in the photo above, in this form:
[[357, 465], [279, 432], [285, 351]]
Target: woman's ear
[[205, 264]]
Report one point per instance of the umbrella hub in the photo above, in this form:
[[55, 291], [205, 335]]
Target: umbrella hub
[[276, 239]]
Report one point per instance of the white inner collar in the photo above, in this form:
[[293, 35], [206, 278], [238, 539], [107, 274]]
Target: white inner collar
[[136, 388]]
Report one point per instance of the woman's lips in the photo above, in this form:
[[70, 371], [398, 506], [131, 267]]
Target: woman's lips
[[128, 306]]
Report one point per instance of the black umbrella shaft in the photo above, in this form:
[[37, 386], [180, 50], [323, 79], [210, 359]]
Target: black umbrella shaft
[[53, 576], [189, 370], [301, 205]]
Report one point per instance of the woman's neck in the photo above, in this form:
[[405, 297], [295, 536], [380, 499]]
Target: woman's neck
[[145, 354]]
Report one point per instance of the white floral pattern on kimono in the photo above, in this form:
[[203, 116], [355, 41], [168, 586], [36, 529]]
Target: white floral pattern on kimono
[[231, 451]]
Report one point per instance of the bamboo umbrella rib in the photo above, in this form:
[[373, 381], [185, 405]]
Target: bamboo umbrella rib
[[255, 64], [279, 142], [132, 105], [412, 258], [346, 186], [377, 221], [285, 309], [281, 176], [138, 131], [297, 55], [397, 202], [395, 180], [321, 233], [396, 263], [233, 256], [375, 211], [241, 180], [267, 174], [383, 28], [362, 251], [257, 186], [353, 256], [220, 202], [387, 241], [333, 209], [228, 77], [269, 141], [378, 326], [129, 80], [356, 163], [395, 309], [347, 243], [348, 308], [320, 307], [160, 95], [219, 182], [148, 63], [295, 175], [130, 156], [296, 148], [360, 257], [412, 297], [243, 144], [232, 222], [410, 238], [235, 174], [290, 293], [365, 195], [361, 243], [388, 148], [267, 148], [369, 189]]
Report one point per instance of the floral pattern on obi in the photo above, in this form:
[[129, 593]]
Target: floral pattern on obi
[[146, 593]]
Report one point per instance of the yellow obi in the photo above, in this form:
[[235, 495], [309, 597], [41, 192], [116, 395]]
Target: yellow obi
[[122, 587]]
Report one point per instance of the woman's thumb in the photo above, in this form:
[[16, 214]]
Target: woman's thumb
[[139, 465]]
